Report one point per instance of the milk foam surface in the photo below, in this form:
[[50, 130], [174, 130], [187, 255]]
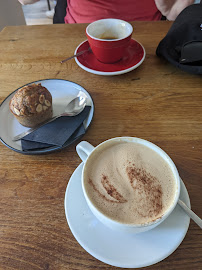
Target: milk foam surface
[[129, 182]]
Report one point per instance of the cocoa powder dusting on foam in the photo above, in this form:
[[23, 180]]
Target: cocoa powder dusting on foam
[[147, 185], [110, 189]]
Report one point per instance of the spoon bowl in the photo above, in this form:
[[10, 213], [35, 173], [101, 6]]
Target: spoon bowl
[[75, 106]]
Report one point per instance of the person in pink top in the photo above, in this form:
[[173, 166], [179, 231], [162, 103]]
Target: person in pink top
[[87, 11]]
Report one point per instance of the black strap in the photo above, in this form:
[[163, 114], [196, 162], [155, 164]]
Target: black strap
[[60, 11]]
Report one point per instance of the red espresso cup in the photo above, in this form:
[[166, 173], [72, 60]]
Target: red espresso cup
[[109, 38]]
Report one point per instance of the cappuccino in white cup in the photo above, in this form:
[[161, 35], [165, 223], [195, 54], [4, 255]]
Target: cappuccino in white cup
[[129, 183]]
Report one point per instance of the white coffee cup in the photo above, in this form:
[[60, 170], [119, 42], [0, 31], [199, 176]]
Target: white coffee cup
[[85, 150]]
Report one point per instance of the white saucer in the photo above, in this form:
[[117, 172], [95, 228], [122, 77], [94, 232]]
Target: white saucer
[[63, 92], [122, 249]]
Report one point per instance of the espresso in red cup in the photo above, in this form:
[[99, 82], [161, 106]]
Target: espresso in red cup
[[109, 38]]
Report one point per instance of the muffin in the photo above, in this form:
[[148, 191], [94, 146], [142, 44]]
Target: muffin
[[31, 105]]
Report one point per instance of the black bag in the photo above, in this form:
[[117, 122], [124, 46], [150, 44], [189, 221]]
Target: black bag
[[182, 46]]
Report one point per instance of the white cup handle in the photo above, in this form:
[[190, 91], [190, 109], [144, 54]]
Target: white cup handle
[[83, 150]]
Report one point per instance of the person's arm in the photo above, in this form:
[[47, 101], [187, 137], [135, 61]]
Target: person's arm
[[172, 8], [28, 2]]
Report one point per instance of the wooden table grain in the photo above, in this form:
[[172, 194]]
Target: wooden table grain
[[156, 102]]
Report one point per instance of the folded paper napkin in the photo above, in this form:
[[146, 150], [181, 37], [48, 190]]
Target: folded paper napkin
[[182, 46], [56, 133]]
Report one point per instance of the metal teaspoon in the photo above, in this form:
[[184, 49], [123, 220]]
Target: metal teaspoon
[[75, 55], [190, 213], [73, 108]]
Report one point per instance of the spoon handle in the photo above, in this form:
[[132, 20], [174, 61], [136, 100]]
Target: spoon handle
[[21, 135], [75, 55], [190, 213]]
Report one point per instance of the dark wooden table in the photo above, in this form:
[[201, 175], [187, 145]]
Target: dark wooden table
[[157, 102]]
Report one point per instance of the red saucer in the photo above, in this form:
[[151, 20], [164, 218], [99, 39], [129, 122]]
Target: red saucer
[[133, 57]]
